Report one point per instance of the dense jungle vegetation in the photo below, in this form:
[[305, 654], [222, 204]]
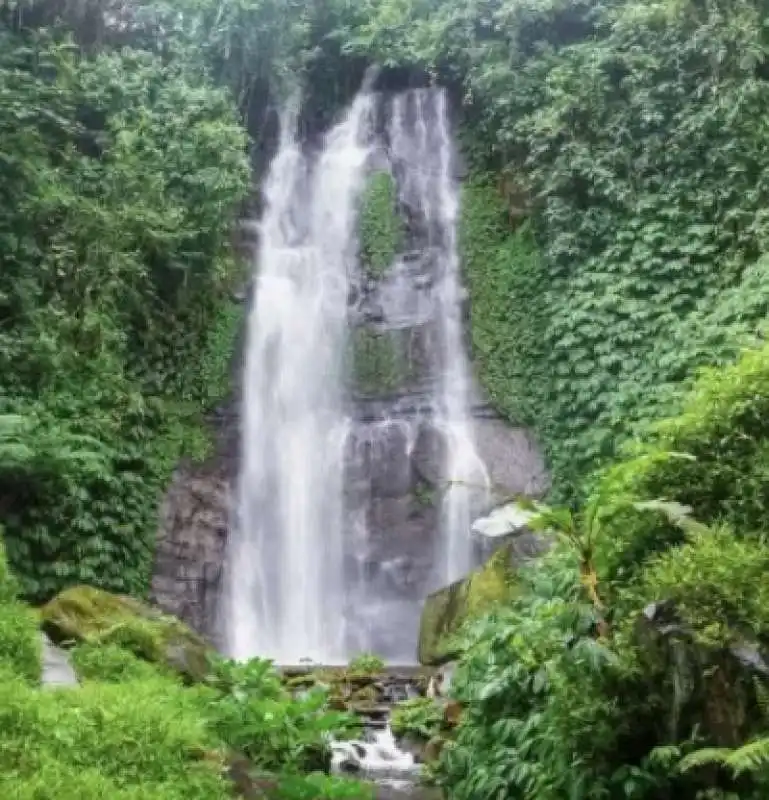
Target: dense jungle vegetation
[[614, 235]]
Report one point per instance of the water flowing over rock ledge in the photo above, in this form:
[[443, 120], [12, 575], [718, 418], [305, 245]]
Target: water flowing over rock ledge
[[422, 456]]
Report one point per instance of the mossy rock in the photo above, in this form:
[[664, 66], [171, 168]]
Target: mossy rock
[[86, 614], [446, 611]]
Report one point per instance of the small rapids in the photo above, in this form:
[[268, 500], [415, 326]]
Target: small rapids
[[378, 759]]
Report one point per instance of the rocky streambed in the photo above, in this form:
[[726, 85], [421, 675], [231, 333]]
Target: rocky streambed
[[404, 719]]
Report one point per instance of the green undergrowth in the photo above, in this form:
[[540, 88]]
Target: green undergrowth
[[628, 665], [133, 730], [122, 173], [378, 367], [420, 717], [380, 229], [643, 256]]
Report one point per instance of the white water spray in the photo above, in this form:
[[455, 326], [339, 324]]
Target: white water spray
[[421, 143], [286, 581]]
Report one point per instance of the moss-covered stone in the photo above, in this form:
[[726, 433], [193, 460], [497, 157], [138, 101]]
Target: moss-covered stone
[[85, 614], [446, 611]]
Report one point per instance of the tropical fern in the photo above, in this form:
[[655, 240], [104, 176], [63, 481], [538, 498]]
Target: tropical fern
[[752, 757]]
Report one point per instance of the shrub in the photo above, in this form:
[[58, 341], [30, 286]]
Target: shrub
[[710, 457], [20, 643], [140, 739], [111, 663], [255, 715], [367, 663]]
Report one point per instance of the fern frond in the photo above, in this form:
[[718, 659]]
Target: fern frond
[[751, 757], [704, 757], [676, 513], [664, 755]]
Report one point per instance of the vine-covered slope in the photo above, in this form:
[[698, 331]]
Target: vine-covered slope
[[121, 175]]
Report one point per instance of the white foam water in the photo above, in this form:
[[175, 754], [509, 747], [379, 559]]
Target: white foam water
[[421, 144], [291, 573], [378, 759], [285, 566]]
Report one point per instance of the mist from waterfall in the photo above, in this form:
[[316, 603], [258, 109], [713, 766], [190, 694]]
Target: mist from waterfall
[[285, 565]]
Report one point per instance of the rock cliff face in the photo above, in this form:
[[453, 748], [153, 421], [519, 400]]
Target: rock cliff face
[[192, 535], [395, 475], [196, 512]]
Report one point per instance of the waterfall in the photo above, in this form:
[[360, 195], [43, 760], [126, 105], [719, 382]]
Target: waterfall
[[421, 149], [338, 537], [285, 565]]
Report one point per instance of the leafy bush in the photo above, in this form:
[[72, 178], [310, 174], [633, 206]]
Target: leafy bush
[[141, 739], [715, 582], [121, 175], [420, 716], [257, 716], [111, 663], [367, 663], [537, 723], [20, 641], [710, 457], [574, 691]]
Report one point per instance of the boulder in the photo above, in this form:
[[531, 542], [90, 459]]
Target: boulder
[[86, 614], [447, 610], [703, 685], [507, 525], [505, 520]]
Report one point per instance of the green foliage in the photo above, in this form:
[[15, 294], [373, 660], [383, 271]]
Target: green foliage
[[133, 731], [20, 647], [421, 717], [751, 757], [377, 366], [366, 664], [19, 641], [715, 581], [711, 457], [111, 663], [380, 228], [536, 724], [506, 279], [257, 716], [140, 739], [121, 175], [318, 786], [568, 693]]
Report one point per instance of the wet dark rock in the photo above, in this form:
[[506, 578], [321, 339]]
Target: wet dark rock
[[194, 523], [350, 767], [703, 684]]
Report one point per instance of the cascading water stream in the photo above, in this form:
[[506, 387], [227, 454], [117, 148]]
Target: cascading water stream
[[286, 570], [321, 560], [421, 148]]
